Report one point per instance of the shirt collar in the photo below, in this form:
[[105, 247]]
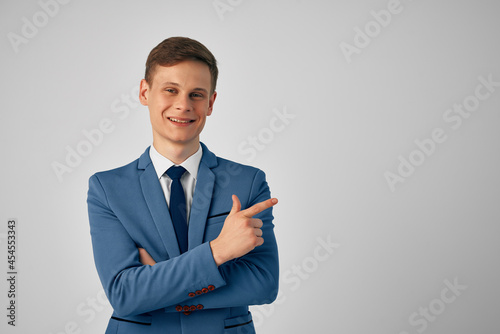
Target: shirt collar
[[161, 164]]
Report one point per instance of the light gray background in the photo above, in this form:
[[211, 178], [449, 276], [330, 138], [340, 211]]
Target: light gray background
[[395, 250]]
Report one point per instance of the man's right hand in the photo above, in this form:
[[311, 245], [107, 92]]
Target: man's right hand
[[241, 232]]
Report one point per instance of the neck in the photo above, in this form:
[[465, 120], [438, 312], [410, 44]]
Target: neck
[[177, 153]]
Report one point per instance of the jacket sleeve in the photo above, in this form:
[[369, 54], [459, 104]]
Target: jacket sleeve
[[133, 288], [253, 278]]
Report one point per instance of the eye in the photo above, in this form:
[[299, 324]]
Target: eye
[[197, 95], [170, 90]]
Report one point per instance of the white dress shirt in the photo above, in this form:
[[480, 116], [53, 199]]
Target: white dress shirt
[[188, 180]]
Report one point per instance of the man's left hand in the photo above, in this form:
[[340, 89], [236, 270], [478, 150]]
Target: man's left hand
[[145, 258]]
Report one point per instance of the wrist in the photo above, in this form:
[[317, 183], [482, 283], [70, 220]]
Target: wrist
[[218, 253]]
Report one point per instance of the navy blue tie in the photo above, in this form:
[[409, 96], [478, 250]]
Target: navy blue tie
[[177, 208]]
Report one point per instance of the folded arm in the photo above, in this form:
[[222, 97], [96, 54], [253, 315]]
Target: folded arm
[[134, 288]]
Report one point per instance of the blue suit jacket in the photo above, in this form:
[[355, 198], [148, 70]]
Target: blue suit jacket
[[184, 293]]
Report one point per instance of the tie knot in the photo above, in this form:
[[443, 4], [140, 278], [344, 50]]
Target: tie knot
[[175, 172]]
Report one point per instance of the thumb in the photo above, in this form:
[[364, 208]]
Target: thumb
[[236, 205]]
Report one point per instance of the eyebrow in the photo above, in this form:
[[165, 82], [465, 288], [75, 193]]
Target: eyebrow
[[177, 85]]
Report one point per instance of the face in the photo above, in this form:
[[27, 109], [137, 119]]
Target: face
[[179, 102]]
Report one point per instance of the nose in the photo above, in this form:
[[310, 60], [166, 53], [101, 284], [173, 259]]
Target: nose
[[183, 102]]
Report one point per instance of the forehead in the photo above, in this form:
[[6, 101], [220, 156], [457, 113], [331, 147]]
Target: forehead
[[185, 73]]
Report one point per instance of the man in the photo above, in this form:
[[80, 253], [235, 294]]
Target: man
[[183, 240]]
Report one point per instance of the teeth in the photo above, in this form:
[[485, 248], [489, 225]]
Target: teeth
[[178, 121]]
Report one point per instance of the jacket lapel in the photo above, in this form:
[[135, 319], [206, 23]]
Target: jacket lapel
[[202, 198], [155, 199]]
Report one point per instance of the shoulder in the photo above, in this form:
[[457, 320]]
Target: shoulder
[[239, 175], [221, 165], [127, 171], [227, 164], [247, 182], [122, 171]]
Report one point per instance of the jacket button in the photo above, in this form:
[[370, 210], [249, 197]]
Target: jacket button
[[198, 292], [185, 308], [211, 287], [192, 308], [199, 307], [192, 294], [204, 290], [187, 313], [178, 308]]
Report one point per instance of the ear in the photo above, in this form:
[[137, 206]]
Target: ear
[[144, 92], [211, 103]]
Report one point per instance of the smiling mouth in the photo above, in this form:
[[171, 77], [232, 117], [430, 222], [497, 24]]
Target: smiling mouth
[[180, 120]]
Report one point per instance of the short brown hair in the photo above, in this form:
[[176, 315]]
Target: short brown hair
[[173, 50]]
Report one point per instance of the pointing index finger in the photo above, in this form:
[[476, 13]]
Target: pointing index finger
[[259, 207]]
